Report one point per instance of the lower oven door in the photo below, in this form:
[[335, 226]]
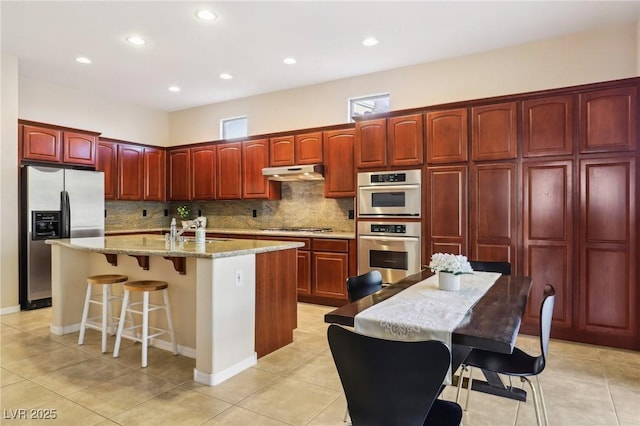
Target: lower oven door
[[394, 257]]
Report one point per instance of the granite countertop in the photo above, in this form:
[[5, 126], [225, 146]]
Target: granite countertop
[[155, 245], [239, 231]]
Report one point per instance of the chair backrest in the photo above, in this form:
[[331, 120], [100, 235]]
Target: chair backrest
[[365, 284], [502, 267], [546, 316], [388, 382]]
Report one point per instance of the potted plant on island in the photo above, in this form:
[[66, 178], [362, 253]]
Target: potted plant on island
[[449, 268]]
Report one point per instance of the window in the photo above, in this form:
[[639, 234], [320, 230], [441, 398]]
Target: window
[[364, 105], [235, 127]]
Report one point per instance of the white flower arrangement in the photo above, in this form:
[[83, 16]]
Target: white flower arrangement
[[446, 262]]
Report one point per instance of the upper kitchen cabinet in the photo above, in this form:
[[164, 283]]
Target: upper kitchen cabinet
[[155, 165], [308, 148], [282, 151], [108, 163], [229, 171], [203, 176], [340, 176], [608, 120], [179, 174], [447, 137], [56, 145], [494, 132], [130, 172], [548, 126], [405, 141], [255, 157], [392, 142], [371, 143]]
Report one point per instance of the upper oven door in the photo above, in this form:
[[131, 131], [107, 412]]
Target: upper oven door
[[389, 201]]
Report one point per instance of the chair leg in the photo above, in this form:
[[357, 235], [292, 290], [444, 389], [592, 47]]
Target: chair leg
[[123, 313], [469, 384], [463, 368], [535, 399], [544, 407], [165, 295], [105, 316], [145, 327], [85, 314]]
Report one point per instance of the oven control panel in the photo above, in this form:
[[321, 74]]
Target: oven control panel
[[389, 229]]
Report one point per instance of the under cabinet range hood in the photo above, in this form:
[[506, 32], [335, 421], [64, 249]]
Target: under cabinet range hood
[[295, 173]]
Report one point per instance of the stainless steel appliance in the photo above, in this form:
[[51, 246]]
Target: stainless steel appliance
[[393, 248], [389, 194], [54, 203], [295, 173]]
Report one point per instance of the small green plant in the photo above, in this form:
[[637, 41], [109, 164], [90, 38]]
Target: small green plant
[[184, 211]]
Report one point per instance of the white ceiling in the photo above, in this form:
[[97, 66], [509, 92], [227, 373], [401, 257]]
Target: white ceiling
[[250, 39]]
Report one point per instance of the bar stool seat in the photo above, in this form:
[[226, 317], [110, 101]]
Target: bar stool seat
[[145, 287], [106, 320]]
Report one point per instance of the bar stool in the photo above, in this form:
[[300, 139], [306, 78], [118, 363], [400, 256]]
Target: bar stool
[[145, 287], [100, 323]]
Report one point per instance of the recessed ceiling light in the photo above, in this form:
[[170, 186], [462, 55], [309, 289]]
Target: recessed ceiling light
[[137, 40], [206, 15], [370, 41], [174, 89], [226, 76], [83, 60], [289, 61]]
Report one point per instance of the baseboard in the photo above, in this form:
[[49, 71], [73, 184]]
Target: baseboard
[[219, 377], [166, 345], [10, 310], [59, 331]]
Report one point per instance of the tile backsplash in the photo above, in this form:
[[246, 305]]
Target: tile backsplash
[[302, 205]]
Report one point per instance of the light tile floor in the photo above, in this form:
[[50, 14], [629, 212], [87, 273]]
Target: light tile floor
[[296, 385]]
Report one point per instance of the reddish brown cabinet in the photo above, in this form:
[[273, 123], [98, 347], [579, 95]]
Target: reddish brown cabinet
[[282, 151], [203, 176], [154, 174], [179, 174], [548, 126], [330, 264], [107, 162], [494, 132], [308, 148], [405, 141], [609, 120], [229, 171], [371, 143], [130, 172], [447, 139], [49, 144], [340, 176], [255, 156], [447, 210]]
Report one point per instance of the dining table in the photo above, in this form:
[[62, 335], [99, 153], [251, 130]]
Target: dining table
[[492, 323]]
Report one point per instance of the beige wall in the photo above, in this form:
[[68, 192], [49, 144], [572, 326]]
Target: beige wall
[[606, 54], [9, 186]]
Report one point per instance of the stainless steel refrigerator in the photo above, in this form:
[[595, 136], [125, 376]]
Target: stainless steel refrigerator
[[54, 203]]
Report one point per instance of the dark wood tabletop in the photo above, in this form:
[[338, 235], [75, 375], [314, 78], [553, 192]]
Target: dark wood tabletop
[[491, 324]]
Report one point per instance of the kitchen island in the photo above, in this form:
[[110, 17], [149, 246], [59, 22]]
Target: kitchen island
[[232, 300]]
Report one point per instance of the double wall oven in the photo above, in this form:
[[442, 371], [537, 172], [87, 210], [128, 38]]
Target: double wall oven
[[389, 229]]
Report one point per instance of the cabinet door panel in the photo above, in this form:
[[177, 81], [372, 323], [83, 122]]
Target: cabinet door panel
[[154, 174], [405, 140], [79, 148], [446, 193], [493, 213], [340, 178], [609, 120], [371, 143], [229, 171], [108, 163], [308, 148], [203, 177], [130, 172], [282, 151], [447, 136], [179, 174], [548, 238], [255, 157], [494, 132], [41, 144], [304, 272], [548, 125], [330, 274]]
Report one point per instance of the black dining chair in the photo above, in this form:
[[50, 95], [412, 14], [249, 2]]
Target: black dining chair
[[518, 363], [363, 285], [392, 382], [502, 267]]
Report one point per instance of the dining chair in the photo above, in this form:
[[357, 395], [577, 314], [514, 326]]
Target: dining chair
[[502, 267], [363, 285], [392, 382], [518, 363]]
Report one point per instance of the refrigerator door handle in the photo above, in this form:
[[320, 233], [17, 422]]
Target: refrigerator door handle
[[65, 214]]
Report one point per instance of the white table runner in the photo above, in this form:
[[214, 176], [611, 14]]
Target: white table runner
[[424, 312]]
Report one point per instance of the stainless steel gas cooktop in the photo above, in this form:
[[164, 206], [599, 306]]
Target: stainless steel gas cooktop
[[297, 229]]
